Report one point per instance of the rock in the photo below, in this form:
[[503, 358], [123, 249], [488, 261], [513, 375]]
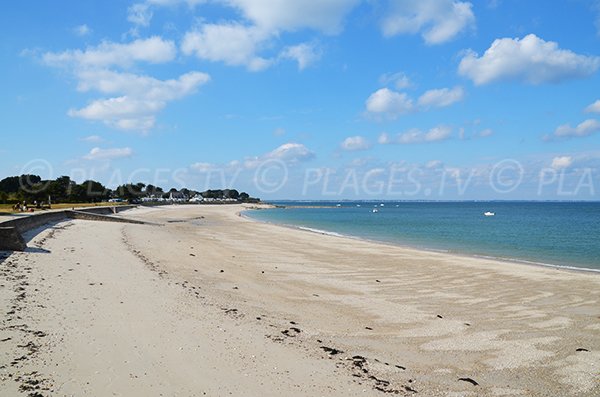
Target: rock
[[331, 350]]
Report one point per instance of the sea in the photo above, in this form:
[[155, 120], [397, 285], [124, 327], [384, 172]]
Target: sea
[[561, 234]]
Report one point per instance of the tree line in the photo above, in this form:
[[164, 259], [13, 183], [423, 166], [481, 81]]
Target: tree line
[[31, 188]]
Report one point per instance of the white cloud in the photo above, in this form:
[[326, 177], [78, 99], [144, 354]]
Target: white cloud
[[240, 42], [232, 43], [559, 163], [399, 80], [434, 164], [139, 14], [146, 87], [529, 59], [305, 54], [585, 128], [485, 133], [203, 167], [190, 3], [92, 139], [441, 97], [389, 103], [107, 54], [437, 20], [82, 30], [284, 15], [355, 143], [384, 139], [142, 97], [594, 107], [415, 135], [288, 153], [108, 154]]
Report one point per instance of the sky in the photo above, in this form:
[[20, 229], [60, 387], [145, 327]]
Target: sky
[[323, 99]]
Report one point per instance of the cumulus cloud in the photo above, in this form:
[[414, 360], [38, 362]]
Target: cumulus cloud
[[399, 80], [143, 97], [562, 162], [288, 153], [92, 139], [354, 143], [133, 100], [305, 54], [284, 15], [146, 87], [438, 21], [389, 103], [585, 128], [139, 14], [232, 43], [415, 135], [240, 42], [108, 54], [594, 107], [203, 167], [530, 59], [82, 30], [108, 154], [486, 132], [236, 44], [441, 97]]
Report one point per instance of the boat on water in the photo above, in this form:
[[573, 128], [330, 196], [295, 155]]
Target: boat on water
[[375, 210], [489, 213]]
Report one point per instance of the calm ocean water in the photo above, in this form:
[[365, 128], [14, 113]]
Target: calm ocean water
[[554, 233]]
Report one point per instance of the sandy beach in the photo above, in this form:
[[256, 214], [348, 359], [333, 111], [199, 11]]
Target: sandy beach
[[202, 301]]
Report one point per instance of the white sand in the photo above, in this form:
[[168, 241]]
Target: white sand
[[144, 310]]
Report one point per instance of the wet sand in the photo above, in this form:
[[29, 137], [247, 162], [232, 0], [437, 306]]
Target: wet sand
[[211, 303]]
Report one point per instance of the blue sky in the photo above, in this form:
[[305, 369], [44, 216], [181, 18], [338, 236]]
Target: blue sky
[[437, 99]]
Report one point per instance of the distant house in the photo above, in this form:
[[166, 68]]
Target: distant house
[[196, 199], [177, 197]]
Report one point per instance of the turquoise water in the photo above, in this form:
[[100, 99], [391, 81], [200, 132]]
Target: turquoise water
[[561, 234]]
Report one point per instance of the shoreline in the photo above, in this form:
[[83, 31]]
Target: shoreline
[[515, 261]]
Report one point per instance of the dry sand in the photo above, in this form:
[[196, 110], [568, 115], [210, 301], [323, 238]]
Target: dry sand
[[210, 303]]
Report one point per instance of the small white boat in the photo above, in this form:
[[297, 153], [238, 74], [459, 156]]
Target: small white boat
[[358, 205], [375, 210], [339, 205], [488, 213], [381, 205]]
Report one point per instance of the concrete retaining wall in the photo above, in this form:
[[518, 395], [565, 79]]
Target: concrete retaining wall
[[11, 239], [97, 217], [8, 229], [26, 223]]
